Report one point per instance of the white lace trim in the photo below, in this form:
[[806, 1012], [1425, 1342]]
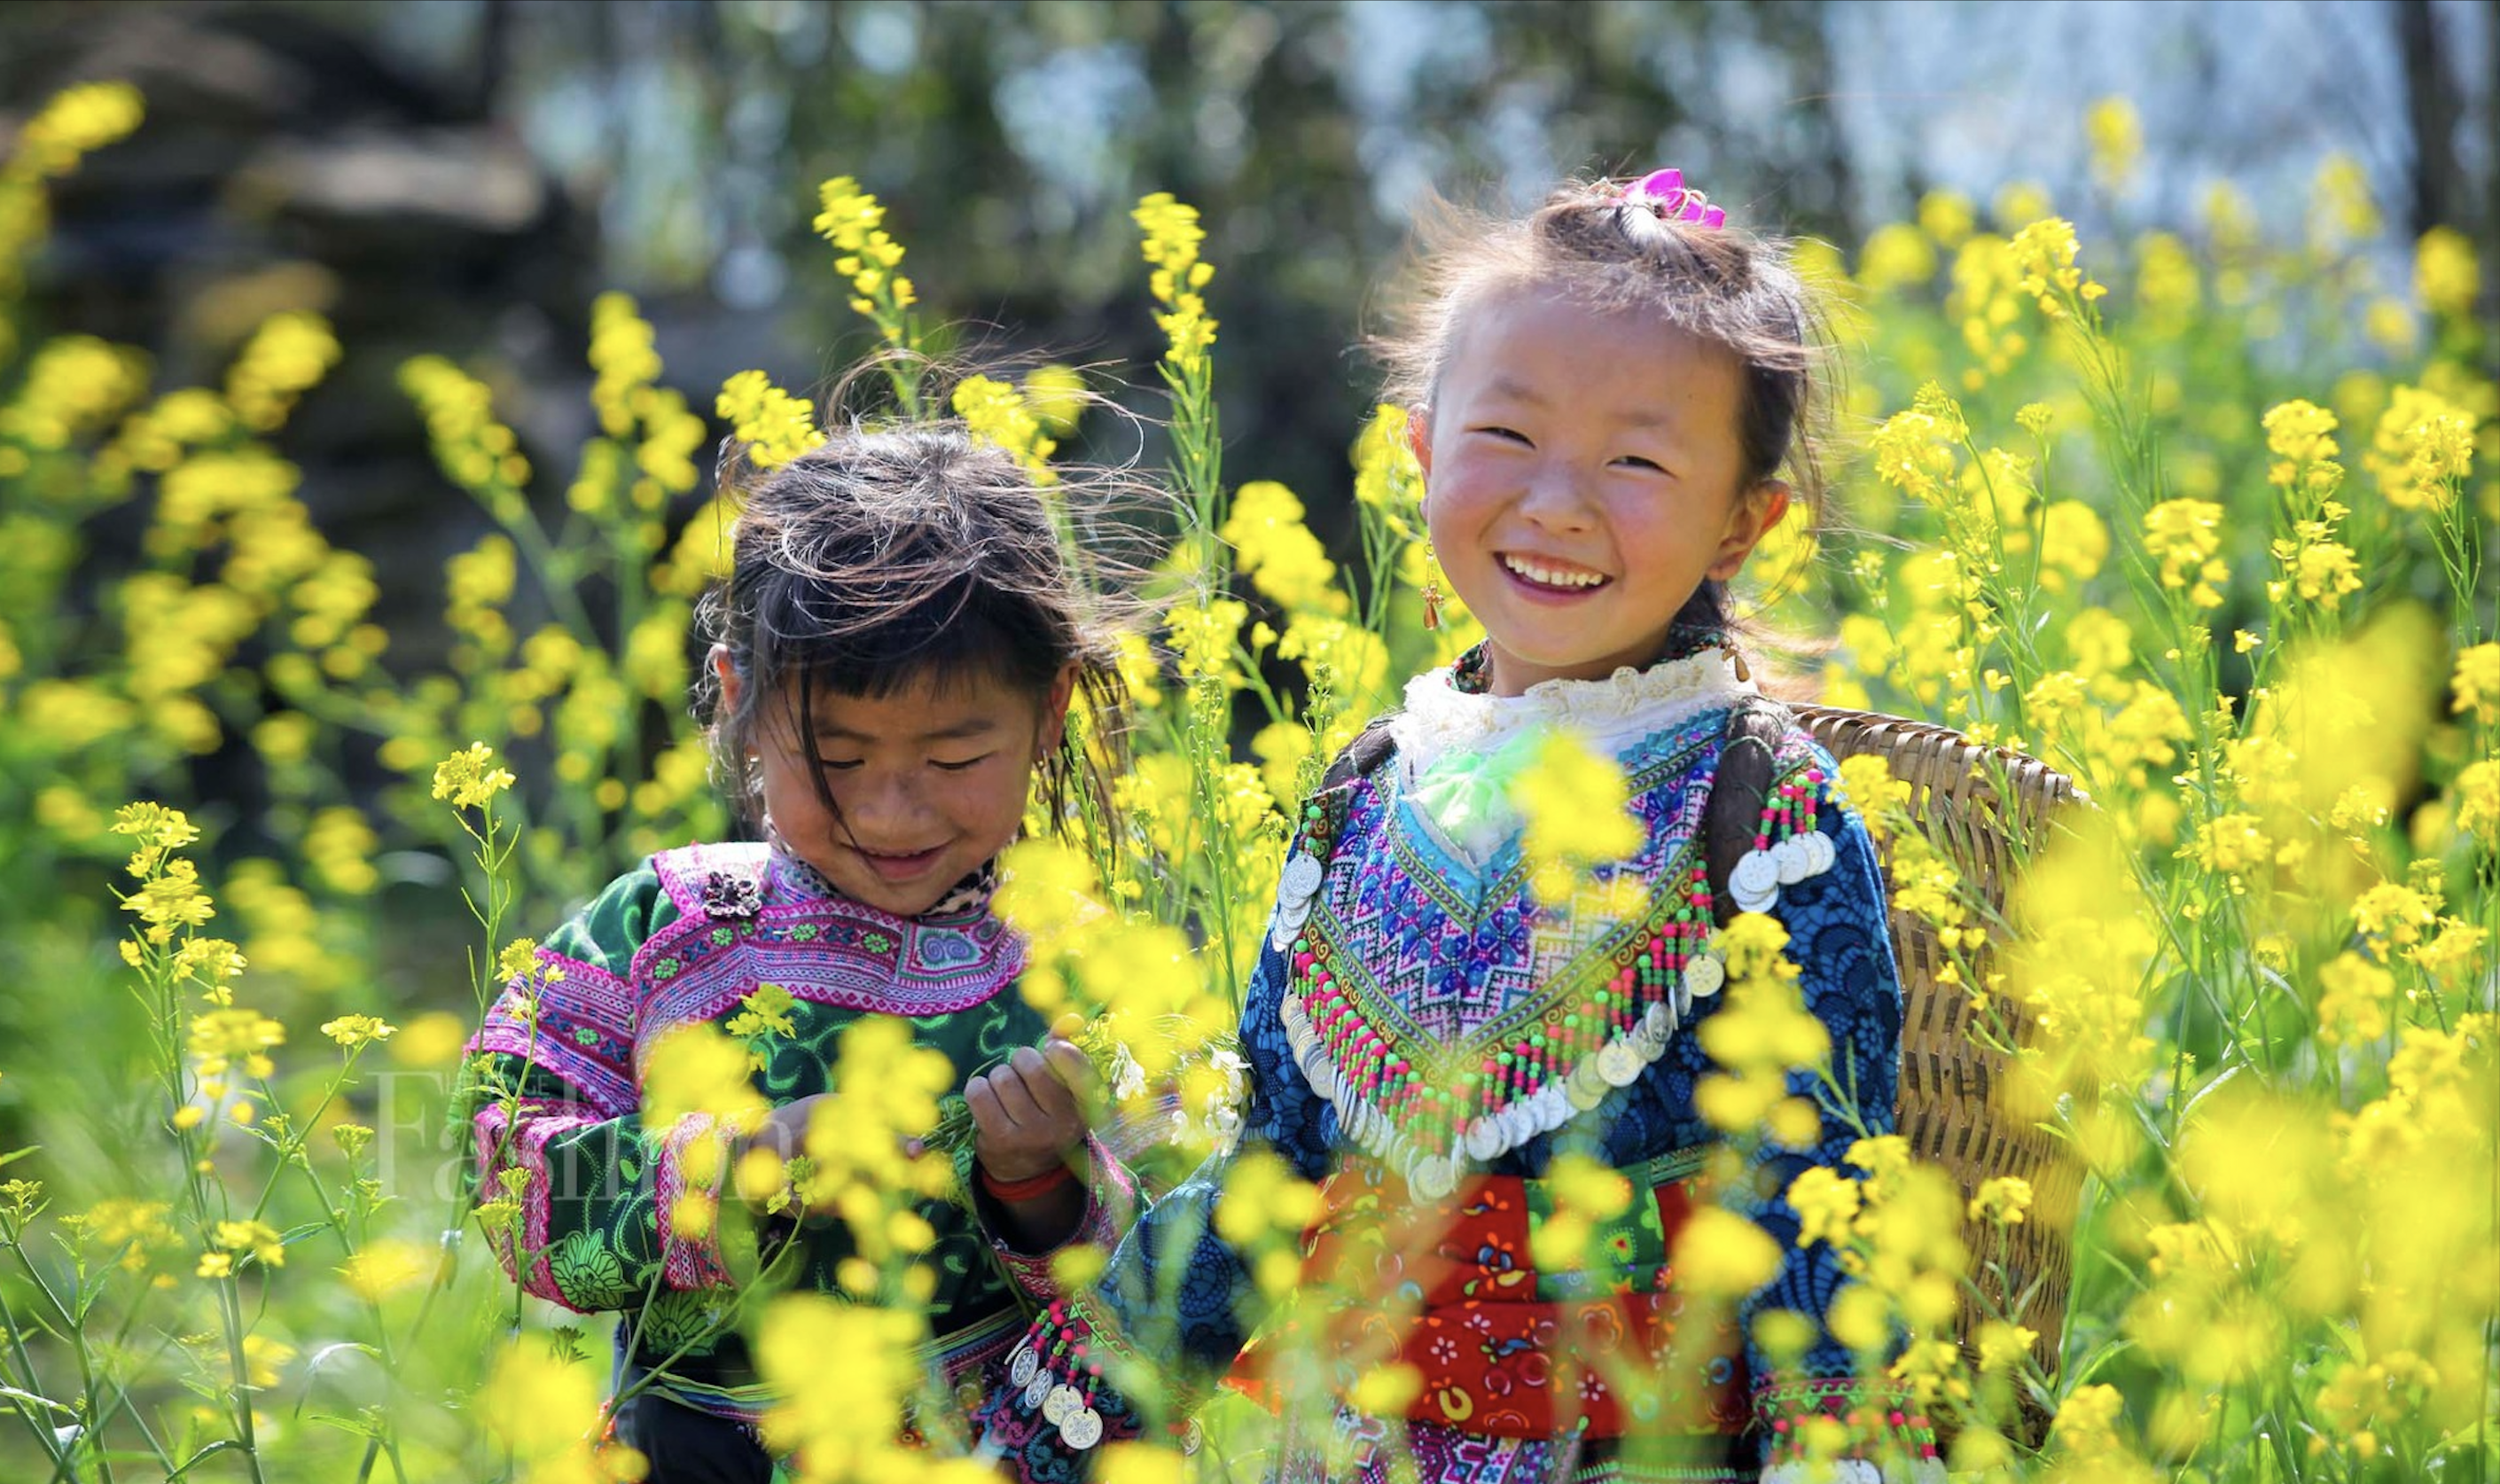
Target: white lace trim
[[1610, 715]]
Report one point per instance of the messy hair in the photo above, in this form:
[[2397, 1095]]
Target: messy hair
[[900, 553], [1591, 243]]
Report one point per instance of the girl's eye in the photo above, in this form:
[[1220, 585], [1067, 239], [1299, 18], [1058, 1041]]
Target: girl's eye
[[1506, 435], [1636, 461], [840, 764], [969, 762]]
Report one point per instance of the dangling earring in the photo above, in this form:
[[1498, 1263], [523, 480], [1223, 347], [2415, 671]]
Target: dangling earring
[[1431, 587]]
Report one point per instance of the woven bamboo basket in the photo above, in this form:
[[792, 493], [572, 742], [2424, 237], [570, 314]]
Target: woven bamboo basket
[[1985, 809]]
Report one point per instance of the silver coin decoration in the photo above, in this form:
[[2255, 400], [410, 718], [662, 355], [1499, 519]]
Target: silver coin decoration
[[1704, 976], [1063, 1402], [1082, 1429], [1036, 1391], [1434, 1178], [1754, 883], [1023, 1368], [1484, 1139], [1618, 1064], [1792, 856], [1819, 851], [1300, 880]]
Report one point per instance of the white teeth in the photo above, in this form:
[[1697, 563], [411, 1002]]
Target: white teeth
[[1551, 578]]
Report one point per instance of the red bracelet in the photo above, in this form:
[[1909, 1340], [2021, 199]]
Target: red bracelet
[[1016, 1192]]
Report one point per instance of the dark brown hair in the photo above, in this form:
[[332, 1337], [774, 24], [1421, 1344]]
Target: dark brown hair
[[897, 554], [1722, 286]]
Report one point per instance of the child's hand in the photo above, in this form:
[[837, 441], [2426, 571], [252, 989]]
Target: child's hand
[[1028, 1113], [783, 1133]]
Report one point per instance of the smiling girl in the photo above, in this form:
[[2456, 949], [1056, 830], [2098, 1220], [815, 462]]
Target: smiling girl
[[1609, 400], [898, 645]]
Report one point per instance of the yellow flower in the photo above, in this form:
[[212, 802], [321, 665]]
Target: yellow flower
[[287, 355], [774, 426], [2476, 684], [2044, 253], [622, 355], [2477, 800], [2422, 449], [2183, 535], [2002, 1344], [1171, 235], [2074, 543], [2003, 1199], [2358, 995], [2298, 433], [2116, 139], [1826, 1202], [480, 454], [1896, 255], [2446, 275], [1277, 552], [220, 1038], [695, 1069], [77, 120], [1721, 1255], [354, 1030], [998, 414], [853, 221], [1577, 806], [170, 900], [1915, 450], [257, 1237], [469, 778]]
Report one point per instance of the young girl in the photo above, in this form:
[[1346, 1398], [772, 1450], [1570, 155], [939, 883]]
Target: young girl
[[1608, 402], [898, 645]]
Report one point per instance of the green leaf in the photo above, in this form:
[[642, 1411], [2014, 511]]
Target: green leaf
[[15, 1395], [14, 1155]]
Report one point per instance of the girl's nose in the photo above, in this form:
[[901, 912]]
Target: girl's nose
[[887, 809], [1555, 499]]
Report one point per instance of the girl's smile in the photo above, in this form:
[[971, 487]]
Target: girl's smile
[[1583, 477]]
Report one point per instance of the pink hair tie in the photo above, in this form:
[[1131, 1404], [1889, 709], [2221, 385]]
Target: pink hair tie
[[1665, 192]]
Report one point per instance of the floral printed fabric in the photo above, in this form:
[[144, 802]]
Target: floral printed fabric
[[1179, 1294]]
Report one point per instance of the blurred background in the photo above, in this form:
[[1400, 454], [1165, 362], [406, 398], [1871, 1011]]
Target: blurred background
[[327, 450], [463, 177]]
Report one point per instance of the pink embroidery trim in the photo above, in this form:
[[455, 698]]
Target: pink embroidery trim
[[540, 1119], [690, 1262]]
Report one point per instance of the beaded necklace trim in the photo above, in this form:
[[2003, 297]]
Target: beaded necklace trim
[[1430, 1106]]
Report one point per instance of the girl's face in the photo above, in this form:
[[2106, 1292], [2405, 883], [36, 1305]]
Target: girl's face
[[1582, 474], [928, 782]]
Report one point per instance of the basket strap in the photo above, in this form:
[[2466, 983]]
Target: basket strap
[[1369, 748], [1734, 812]]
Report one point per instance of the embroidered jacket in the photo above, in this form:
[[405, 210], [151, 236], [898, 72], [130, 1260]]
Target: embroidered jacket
[[682, 940], [1424, 1037]]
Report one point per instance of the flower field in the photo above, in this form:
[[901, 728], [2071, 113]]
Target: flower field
[[2196, 517]]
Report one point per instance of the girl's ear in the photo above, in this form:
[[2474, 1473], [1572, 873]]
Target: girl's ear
[[732, 685], [1760, 510], [1054, 709], [1419, 436]]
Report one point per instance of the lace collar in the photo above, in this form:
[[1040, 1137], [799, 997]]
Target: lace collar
[[1447, 710], [966, 897]]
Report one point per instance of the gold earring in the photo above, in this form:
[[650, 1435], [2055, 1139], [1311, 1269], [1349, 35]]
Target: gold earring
[[1431, 587]]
